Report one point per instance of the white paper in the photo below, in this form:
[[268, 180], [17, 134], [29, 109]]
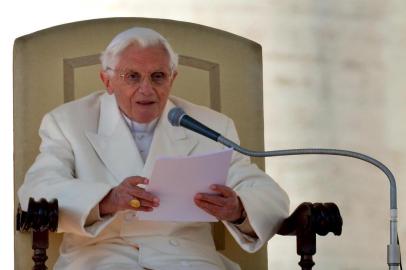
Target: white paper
[[176, 180]]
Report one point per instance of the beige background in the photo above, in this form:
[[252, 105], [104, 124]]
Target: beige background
[[333, 77]]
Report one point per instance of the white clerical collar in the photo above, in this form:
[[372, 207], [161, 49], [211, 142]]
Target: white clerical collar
[[140, 127]]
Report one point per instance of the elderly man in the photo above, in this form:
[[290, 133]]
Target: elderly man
[[96, 156]]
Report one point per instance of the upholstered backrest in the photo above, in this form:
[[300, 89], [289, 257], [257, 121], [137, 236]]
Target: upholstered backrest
[[60, 64]]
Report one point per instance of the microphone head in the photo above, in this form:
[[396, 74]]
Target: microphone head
[[175, 115]]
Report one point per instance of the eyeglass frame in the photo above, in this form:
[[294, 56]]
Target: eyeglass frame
[[123, 75]]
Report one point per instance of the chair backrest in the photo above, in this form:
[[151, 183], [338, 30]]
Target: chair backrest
[[59, 64]]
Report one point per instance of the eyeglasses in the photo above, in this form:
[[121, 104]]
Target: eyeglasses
[[134, 78]]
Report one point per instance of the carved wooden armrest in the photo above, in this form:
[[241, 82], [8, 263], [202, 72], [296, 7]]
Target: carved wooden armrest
[[308, 220], [305, 222], [41, 217]]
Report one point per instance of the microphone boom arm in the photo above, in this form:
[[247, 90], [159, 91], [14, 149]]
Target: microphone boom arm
[[393, 250]]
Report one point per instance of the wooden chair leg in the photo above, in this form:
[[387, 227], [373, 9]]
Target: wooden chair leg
[[40, 243], [40, 218]]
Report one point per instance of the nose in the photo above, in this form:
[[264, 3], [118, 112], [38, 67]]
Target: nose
[[145, 87]]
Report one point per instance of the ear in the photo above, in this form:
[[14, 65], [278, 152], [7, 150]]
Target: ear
[[105, 77], [175, 73]]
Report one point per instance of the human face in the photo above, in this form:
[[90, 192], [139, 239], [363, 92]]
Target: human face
[[141, 82]]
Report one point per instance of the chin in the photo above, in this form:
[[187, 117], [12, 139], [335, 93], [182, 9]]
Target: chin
[[145, 118], [145, 121]]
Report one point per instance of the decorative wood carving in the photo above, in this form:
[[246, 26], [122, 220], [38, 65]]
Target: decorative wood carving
[[305, 222]]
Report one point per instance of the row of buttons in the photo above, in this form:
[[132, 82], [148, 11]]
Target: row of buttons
[[132, 215]]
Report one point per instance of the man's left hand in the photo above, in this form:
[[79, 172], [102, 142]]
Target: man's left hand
[[225, 205]]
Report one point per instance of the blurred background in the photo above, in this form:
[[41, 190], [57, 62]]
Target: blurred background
[[333, 77]]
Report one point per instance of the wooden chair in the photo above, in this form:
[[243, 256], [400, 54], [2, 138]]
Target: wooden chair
[[305, 222], [60, 64]]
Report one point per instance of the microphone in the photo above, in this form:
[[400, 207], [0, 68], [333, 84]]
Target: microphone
[[177, 117]]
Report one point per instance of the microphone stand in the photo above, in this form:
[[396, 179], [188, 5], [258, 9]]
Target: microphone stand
[[393, 249]]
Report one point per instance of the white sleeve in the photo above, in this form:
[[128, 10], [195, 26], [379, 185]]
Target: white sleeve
[[265, 202], [52, 176]]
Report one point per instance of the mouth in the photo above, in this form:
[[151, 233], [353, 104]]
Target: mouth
[[145, 103]]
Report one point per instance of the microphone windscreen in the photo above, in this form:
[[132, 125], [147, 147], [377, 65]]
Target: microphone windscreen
[[175, 115]]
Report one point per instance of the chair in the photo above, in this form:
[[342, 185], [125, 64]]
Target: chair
[[61, 63]]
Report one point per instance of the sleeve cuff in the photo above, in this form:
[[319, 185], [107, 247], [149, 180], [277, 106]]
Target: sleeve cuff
[[93, 217], [247, 230]]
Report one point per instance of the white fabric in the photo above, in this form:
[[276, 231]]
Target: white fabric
[[142, 134], [80, 161]]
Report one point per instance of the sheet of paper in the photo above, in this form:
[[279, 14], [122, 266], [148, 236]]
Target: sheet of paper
[[176, 181]]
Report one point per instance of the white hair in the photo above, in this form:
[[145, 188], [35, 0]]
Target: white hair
[[143, 37]]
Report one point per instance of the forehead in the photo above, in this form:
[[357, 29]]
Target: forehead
[[135, 57]]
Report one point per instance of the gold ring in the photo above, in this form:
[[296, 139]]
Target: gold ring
[[134, 203]]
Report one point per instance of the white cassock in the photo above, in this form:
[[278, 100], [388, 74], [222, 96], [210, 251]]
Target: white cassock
[[87, 149]]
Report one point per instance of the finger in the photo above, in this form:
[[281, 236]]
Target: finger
[[136, 180], [209, 208], [148, 204], [141, 194], [221, 213], [224, 190], [137, 204], [215, 199]]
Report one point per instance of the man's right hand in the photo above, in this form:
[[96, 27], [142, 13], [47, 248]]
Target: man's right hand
[[119, 197]]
